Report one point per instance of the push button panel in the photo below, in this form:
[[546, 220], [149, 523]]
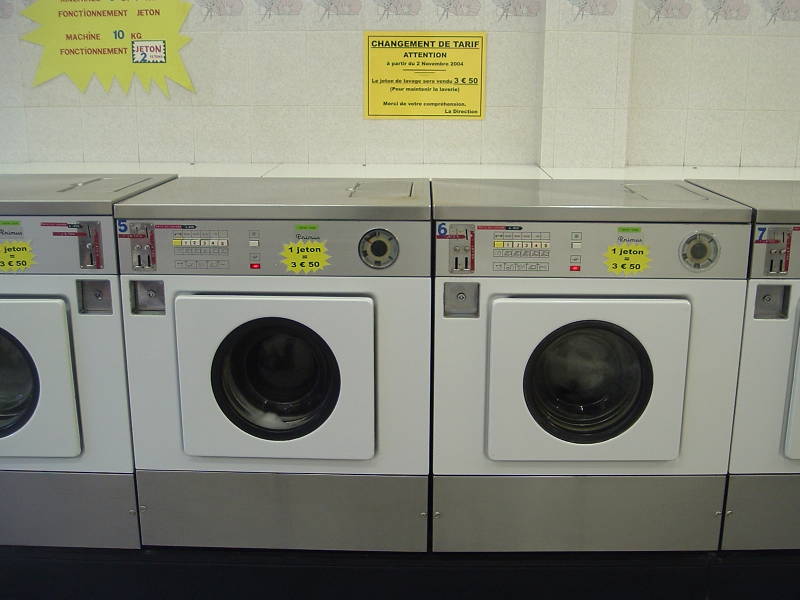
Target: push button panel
[[555, 249], [335, 248]]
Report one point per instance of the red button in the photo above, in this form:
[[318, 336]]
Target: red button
[[255, 265], [574, 267]]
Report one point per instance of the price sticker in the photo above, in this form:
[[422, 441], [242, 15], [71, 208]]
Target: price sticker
[[627, 259], [305, 257], [16, 256]]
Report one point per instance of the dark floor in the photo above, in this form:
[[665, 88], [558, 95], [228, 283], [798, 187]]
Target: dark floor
[[272, 575]]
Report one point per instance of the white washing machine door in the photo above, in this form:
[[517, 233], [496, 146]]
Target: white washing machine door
[[586, 379], [38, 408], [276, 376]]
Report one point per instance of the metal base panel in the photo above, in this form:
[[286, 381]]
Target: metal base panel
[[518, 514], [287, 511], [91, 510], [762, 513]]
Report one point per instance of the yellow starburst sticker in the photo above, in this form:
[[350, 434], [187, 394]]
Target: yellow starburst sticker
[[110, 39], [16, 256], [305, 257], [627, 259]]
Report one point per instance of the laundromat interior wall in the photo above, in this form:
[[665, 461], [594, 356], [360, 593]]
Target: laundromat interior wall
[[569, 83]]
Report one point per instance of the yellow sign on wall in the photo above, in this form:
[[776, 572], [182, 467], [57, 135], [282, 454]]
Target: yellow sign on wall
[[424, 75], [110, 39]]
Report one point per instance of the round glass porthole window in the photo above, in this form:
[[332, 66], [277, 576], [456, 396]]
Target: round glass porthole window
[[275, 378], [19, 384], [587, 382]]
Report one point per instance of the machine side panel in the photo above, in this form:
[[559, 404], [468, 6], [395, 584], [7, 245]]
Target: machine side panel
[[273, 510], [90, 510], [524, 514], [762, 513]]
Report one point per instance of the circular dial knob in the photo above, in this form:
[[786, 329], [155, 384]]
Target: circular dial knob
[[699, 251], [378, 249]]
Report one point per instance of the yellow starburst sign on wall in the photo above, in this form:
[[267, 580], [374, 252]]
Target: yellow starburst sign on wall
[[110, 39]]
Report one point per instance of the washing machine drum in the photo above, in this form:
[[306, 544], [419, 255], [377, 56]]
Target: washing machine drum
[[275, 378], [587, 382], [19, 384]]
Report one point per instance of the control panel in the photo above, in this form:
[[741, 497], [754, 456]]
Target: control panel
[[57, 245], [274, 247], [772, 251], [555, 249]]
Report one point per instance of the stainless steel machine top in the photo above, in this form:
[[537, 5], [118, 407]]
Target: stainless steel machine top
[[777, 220], [549, 200], [261, 226], [541, 228], [773, 201], [63, 223], [283, 198], [71, 194]]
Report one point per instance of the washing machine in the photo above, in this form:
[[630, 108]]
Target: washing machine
[[278, 345], [66, 467], [586, 348], [764, 484]]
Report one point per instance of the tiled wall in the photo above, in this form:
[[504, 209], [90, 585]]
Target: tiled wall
[[718, 87], [570, 83], [280, 81]]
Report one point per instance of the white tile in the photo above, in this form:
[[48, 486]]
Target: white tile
[[220, 77], [166, 133], [780, 19], [278, 64], [595, 15], [714, 138], [59, 91], [587, 70], [394, 141], [279, 15], [511, 136], [335, 68], [624, 66], [656, 137], [217, 15], [396, 15], [13, 143], [514, 64], [457, 15], [54, 133], [667, 16], [620, 149], [10, 71], [336, 135], [548, 133], [222, 133], [660, 75], [110, 134], [452, 141], [280, 134], [515, 15], [227, 170], [584, 138], [729, 17], [774, 74], [336, 15], [718, 72], [770, 138], [550, 70]]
